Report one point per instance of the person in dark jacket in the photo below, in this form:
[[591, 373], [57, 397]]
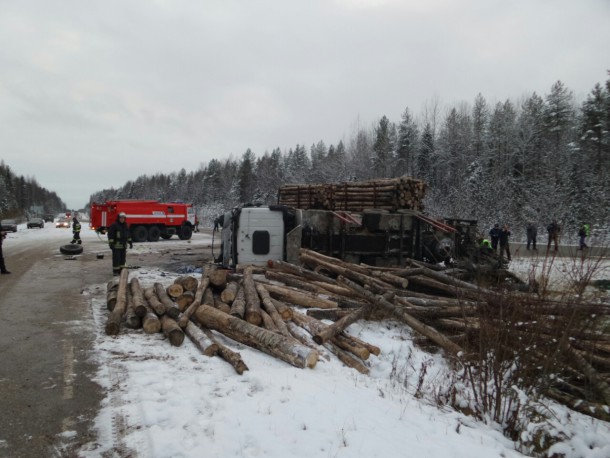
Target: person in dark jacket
[[553, 229], [531, 231], [583, 232], [76, 231], [494, 234], [504, 247], [2, 266], [118, 239]]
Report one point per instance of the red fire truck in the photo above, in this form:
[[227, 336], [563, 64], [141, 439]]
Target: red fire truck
[[148, 220]]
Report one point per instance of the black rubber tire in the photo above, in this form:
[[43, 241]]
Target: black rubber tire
[[139, 234], [71, 249], [165, 236], [154, 233], [185, 232]]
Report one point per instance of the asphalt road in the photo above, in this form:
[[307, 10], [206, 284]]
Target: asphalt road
[[48, 398]]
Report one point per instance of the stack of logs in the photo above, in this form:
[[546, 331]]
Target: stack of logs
[[262, 307], [386, 194]]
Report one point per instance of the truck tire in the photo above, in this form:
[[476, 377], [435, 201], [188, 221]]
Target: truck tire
[[166, 236], [154, 233], [185, 232], [71, 249], [139, 234]]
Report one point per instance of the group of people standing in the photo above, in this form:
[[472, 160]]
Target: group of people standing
[[499, 237]]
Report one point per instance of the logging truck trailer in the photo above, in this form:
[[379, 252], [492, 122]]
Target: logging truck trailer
[[256, 234], [148, 220]]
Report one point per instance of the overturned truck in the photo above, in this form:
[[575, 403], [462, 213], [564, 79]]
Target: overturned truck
[[380, 223]]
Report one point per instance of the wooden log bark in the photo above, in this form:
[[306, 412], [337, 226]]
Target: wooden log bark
[[253, 306], [222, 306], [201, 340], [113, 325], [230, 356], [111, 297], [269, 342], [230, 292], [299, 298], [171, 309], [338, 326], [153, 300], [328, 314], [414, 323], [268, 322], [150, 321], [172, 331], [238, 307], [131, 319], [351, 346], [137, 296], [600, 385], [268, 306], [346, 358], [188, 313]]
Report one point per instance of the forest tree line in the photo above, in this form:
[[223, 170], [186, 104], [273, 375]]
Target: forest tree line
[[22, 197], [538, 158]]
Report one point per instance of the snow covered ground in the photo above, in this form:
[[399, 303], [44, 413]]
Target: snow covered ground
[[164, 401]]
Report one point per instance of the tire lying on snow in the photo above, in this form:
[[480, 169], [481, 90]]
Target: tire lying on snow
[[71, 249]]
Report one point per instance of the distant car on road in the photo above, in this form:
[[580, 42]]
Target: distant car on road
[[62, 222], [35, 222], [49, 218], [8, 225]]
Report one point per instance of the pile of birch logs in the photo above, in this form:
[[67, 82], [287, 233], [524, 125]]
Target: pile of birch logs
[[386, 194], [299, 314]]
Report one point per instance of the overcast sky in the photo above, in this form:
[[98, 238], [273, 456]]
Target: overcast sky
[[95, 93]]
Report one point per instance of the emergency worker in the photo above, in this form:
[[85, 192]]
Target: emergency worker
[[76, 231], [118, 239]]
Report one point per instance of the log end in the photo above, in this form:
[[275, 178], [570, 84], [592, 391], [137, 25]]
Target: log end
[[112, 328], [312, 359]]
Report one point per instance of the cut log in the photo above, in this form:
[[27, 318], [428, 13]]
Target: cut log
[[174, 290], [218, 278], [153, 301], [187, 282], [269, 307], [111, 297], [266, 341], [171, 309], [238, 307], [200, 339], [199, 294], [303, 299], [137, 296], [268, 323], [222, 306], [328, 314], [150, 322], [184, 300], [131, 319], [338, 326], [230, 356], [414, 323], [284, 310], [113, 325], [253, 304], [351, 346], [347, 359], [228, 294], [172, 331]]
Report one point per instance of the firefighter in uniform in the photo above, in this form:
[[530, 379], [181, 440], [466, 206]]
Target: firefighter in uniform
[[76, 231], [118, 239]]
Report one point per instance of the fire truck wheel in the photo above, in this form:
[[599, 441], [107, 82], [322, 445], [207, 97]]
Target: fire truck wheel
[[166, 236], [139, 234], [154, 233], [185, 233], [71, 249]]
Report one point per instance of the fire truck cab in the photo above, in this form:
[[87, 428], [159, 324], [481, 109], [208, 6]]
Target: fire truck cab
[[148, 220]]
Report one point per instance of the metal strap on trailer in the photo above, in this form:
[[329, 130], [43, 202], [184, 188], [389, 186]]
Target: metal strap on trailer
[[437, 224]]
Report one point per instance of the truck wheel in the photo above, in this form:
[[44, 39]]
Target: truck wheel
[[154, 233], [165, 236], [139, 234], [71, 249], [185, 232]]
